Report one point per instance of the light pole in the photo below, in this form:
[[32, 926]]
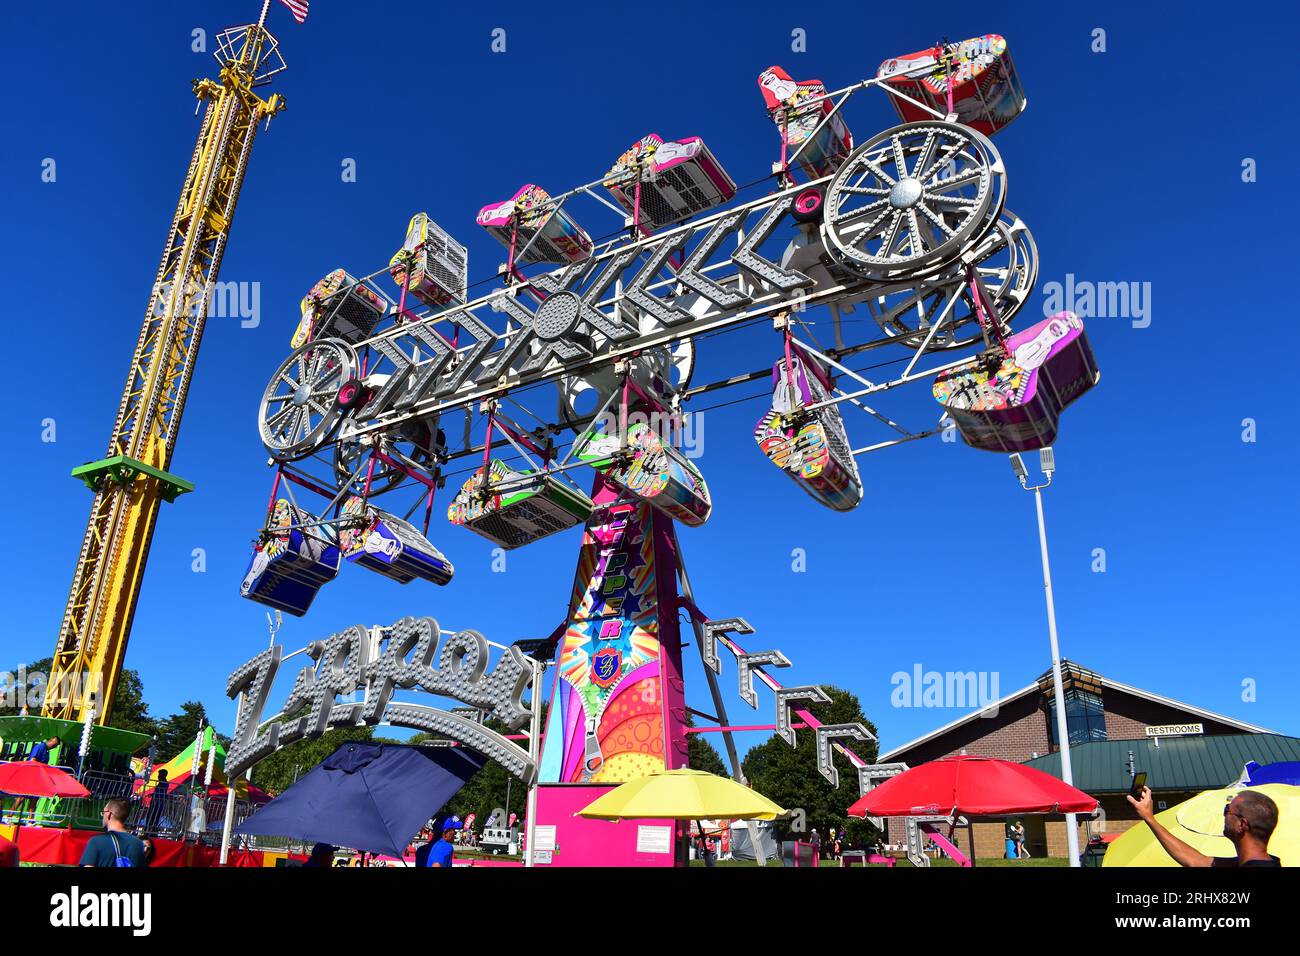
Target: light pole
[[1047, 461], [535, 753]]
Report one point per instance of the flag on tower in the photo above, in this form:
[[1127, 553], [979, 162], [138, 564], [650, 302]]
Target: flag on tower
[[298, 8]]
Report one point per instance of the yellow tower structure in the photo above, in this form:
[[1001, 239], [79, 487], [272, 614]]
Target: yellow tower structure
[[132, 480]]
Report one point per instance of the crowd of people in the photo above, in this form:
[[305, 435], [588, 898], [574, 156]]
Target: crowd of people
[[434, 846], [832, 848], [1249, 820], [122, 844]]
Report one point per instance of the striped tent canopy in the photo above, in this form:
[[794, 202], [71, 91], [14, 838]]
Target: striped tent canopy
[[181, 767]]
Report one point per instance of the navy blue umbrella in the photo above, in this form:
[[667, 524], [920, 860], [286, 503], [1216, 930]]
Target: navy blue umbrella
[[367, 796]]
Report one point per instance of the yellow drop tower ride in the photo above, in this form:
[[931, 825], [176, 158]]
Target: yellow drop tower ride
[[132, 480]]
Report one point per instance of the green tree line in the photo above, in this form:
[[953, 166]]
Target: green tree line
[[171, 734]]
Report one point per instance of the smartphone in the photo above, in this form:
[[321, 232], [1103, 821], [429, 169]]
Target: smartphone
[[1139, 781]]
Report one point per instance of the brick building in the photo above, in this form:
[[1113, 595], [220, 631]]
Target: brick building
[[1101, 715]]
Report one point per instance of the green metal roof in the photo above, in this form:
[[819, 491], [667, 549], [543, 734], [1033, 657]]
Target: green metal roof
[[1179, 763], [69, 731]]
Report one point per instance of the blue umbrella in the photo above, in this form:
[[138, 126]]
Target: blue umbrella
[[1284, 771], [367, 796]]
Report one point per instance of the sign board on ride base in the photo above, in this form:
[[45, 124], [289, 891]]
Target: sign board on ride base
[[580, 841]]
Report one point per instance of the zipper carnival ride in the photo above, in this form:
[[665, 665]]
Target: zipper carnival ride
[[909, 226]]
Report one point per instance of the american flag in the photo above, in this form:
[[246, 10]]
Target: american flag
[[298, 8]]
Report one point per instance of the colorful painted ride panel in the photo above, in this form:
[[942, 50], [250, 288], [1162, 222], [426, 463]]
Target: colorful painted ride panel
[[291, 566], [829, 142], [986, 89], [437, 264], [614, 711], [811, 447], [519, 507], [677, 180], [656, 473], [532, 213], [339, 306], [390, 546], [1015, 404]]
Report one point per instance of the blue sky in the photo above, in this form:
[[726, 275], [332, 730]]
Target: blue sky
[[1127, 166]]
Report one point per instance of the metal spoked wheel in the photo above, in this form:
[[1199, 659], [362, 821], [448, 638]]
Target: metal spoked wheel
[[299, 411], [911, 199], [1007, 263]]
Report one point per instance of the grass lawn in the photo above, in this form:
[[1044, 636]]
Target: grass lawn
[[465, 853], [999, 861], [980, 864]]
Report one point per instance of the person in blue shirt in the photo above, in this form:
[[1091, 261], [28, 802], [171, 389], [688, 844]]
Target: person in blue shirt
[[442, 851], [40, 753], [41, 750], [107, 848]]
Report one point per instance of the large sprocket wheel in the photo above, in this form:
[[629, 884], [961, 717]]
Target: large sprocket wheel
[[911, 199], [1007, 263], [663, 371], [416, 443], [299, 411]]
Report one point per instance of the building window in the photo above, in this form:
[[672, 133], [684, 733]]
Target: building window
[[1085, 718]]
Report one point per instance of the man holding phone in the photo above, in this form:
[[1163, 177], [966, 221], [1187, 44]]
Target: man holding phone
[[1248, 821]]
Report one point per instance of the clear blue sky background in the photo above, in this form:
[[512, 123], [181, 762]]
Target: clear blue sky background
[[1127, 167]]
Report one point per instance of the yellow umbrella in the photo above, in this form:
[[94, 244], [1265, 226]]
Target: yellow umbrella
[[682, 795], [1198, 822]]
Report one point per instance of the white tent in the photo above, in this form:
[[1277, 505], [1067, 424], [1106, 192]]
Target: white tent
[[742, 848]]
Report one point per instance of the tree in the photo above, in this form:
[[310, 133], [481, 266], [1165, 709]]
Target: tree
[[488, 789], [789, 775], [178, 731], [491, 787], [35, 674], [279, 771], [700, 754], [130, 711]]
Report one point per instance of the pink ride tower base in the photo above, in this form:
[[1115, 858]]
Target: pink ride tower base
[[583, 842], [618, 710]]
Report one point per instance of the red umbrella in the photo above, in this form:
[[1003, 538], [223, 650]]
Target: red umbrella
[[31, 778], [975, 786]]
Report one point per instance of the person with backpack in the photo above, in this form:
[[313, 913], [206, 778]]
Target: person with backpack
[[116, 847]]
